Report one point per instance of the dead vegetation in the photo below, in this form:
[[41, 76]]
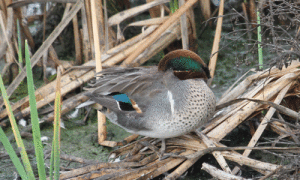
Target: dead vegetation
[[279, 85]]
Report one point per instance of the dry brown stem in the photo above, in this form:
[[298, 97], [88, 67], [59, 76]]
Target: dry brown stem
[[153, 37], [219, 174], [215, 48], [36, 57], [96, 24]]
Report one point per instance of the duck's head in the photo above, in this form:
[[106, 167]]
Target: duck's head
[[185, 64]]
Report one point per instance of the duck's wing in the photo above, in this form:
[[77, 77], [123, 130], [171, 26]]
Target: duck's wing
[[140, 84]]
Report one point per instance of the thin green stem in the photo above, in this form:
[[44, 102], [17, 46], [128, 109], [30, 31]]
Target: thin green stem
[[19, 45], [260, 54]]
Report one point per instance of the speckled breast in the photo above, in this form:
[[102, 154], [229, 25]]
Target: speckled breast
[[194, 104]]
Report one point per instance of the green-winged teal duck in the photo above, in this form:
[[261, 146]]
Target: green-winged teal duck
[[160, 102]]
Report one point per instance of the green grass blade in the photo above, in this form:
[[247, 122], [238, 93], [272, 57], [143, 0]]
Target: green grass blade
[[51, 161], [19, 46], [176, 6], [12, 154], [56, 141], [172, 9], [16, 132], [34, 118], [56, 134], [260, 54], [173, 6]]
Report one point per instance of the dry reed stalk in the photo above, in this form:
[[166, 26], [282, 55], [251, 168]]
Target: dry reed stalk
[[43, 92], [50, 97], [129, 148], [85, 36], [153, 37], [3, 7], [140, 172], [156, 11], [121, 16], [253, 15], [217, 154], [87, 6], [3, 45], [259, 166], [101, 117], [68, 105], [182, 168], [35, 58], [102, 173], [127, 44], [192, 36], [67, 9], [233, 85], [54, 57], [184, 28], [7, 29], [244, 7], [289, 131], [44, 19], [97, 166], [216, 43], [128, 140], [205, 9], [100, 22], [278, 128], [263, 124], [237, 107], [149, 22], [269, 91], [31, 19], [186, 141], [267, 118], [168, 166], [271, 173], [78, 47], [171, 34], [240, 88], [153, 168], [105, 26], [107, 143], [123, 54], [219, 174]]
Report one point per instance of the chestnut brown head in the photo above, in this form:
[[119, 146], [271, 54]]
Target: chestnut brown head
[[185, 64]]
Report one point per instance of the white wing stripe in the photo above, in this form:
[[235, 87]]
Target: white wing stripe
[[170, 96]]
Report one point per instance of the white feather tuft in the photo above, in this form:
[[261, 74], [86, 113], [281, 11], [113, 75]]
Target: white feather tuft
[[74, 114], [23, 123]]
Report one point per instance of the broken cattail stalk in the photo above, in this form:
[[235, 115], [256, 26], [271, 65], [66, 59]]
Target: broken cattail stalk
[[217, 38], [219, 174], [78, 43], [153, 37], [269, 91], [217, 154], [36, 57], [44, 92], [101, 117], [166, 38]]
